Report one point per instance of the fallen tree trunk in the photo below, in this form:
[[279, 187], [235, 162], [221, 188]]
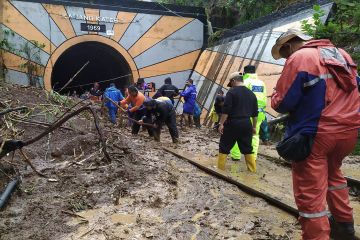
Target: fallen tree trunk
[[12, 145]]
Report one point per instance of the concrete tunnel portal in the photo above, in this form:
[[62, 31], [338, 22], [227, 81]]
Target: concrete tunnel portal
[[104, 63]]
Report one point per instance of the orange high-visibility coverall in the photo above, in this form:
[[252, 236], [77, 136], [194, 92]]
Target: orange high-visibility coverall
[[326, 105]]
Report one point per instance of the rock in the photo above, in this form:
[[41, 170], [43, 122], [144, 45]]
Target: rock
[[56, 153]]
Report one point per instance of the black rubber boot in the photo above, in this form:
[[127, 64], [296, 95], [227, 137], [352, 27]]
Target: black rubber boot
[[341, 230], [156, 136]]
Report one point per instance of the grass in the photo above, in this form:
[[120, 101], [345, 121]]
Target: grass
[[356, 151]]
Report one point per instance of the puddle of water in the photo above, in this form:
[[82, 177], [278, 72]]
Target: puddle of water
[[245, 237], [123, 218], [89, 214], [278, 231]]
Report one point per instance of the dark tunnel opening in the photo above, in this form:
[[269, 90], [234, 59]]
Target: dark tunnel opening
[[104, 63]]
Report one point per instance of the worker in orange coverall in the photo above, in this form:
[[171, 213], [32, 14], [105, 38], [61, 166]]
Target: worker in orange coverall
[[319, 91]]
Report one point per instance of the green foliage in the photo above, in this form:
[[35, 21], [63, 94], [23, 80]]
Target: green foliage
[[5, 45], [342, 28], [213, 38], [58, 99], [356, 151], [315, 28], [234, 12], [32, 51], [193, 3]]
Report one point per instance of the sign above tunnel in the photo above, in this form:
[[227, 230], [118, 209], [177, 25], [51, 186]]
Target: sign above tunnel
[[154, 43], [87, 27], [92, 18]]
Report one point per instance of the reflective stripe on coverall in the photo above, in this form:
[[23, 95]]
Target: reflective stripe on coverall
[[259, 89], [318, 180], [325, 106]]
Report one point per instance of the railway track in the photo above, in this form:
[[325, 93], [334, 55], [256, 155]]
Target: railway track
[[352, 182], [256, 188]]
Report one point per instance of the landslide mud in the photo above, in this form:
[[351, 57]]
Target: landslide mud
[[144, 193], [272, 177]]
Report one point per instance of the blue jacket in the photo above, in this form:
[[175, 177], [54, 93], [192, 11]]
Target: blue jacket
[[114, 94], [190, 98]]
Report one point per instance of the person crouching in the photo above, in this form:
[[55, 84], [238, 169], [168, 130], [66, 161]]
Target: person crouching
[[158, 113]]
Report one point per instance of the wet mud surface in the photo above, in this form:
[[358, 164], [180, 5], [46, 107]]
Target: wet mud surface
[[144, 193], [272, 177]]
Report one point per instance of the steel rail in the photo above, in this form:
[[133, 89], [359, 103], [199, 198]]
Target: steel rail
[[273, 200], [223, 175], [351, 181]]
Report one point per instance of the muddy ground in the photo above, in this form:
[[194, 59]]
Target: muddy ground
[[144, 193]]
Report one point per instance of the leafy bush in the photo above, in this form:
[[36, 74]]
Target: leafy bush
[[213, 38], [356, 151], [343, 27]]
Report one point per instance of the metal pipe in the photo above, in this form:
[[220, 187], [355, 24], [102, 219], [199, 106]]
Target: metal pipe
[[278, 120], [8, 191]]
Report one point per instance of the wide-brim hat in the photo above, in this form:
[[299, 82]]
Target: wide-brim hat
[[285, 37], [233, 76]]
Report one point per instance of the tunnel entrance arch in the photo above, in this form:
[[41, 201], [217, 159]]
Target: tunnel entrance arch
[[107, 60], [105, 65]]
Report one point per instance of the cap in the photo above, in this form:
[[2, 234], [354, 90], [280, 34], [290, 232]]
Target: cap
[[285, 37], [249, 69], [234, 76]]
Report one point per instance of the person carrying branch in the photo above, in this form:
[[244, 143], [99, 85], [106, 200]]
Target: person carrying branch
[[159, 113]]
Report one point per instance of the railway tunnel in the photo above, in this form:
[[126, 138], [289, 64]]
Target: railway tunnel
[[105, 65]]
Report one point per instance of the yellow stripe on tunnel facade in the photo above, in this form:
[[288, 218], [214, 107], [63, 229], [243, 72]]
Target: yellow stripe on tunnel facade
[[58, 13], [14, 20], [166, 26], [181, 63]]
